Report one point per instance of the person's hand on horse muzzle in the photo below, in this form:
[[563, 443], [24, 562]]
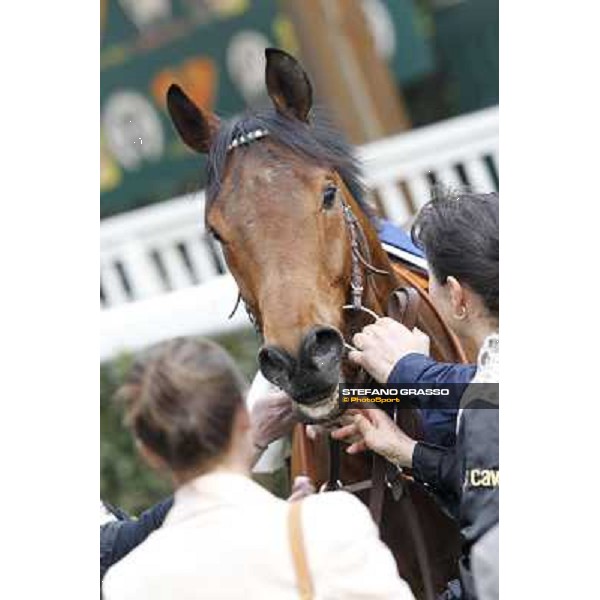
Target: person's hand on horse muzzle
[[272, 417]]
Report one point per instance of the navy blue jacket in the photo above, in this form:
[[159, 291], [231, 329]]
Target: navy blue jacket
[[464, 477], [439, 420], [119, 537]]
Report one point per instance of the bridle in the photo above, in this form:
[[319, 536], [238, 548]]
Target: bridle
[[358, 245], [384, 475], [357, 287]]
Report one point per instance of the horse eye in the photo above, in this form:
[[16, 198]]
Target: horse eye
[[329, 196], [215, 235]]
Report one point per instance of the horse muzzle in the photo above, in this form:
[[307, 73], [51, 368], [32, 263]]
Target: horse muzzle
[[312, 378]]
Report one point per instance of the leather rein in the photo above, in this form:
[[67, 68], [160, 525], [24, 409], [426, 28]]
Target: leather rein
[[403, 305]]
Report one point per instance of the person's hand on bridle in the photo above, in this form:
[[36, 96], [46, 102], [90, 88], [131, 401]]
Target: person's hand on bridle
[[372, 429], [272, 417], [381, 345]]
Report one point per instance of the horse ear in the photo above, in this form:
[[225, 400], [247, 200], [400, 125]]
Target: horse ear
[[196, 128], [288, 85]]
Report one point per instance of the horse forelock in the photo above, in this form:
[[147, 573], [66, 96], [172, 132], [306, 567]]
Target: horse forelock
[[318, 142]]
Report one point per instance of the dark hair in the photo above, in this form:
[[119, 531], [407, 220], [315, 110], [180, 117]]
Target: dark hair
[[181, 398], [459, 233]]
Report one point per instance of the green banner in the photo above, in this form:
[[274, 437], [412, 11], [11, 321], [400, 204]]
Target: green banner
[[214, 49]]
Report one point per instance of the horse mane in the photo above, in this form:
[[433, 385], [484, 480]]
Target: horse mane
[[319, 142]]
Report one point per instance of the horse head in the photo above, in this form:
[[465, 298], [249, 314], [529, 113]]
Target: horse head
[[281, 195]]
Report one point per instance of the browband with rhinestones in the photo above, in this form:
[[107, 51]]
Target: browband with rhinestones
[[246, 138]]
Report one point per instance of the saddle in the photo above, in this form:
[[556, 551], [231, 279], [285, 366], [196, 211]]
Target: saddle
[[398, 245]]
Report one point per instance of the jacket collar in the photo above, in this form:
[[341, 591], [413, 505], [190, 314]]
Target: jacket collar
[[213, 490], [488, 371], [488, 361]]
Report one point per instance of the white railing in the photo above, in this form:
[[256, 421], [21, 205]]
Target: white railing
[[161, 274], [457, 152]]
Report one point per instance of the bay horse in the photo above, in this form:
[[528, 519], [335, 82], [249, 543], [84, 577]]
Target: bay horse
[[284, 199]]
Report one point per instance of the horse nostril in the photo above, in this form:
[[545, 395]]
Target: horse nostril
[[276, 366], [323, 347]]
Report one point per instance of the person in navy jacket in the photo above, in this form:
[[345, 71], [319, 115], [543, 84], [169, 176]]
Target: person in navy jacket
[[459, 233], [409, 352], [439, 422], [120, 533]]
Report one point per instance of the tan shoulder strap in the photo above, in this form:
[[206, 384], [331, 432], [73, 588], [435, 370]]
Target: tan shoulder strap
[[299, 560]]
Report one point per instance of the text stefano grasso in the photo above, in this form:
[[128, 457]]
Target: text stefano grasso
[[386, 392]]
